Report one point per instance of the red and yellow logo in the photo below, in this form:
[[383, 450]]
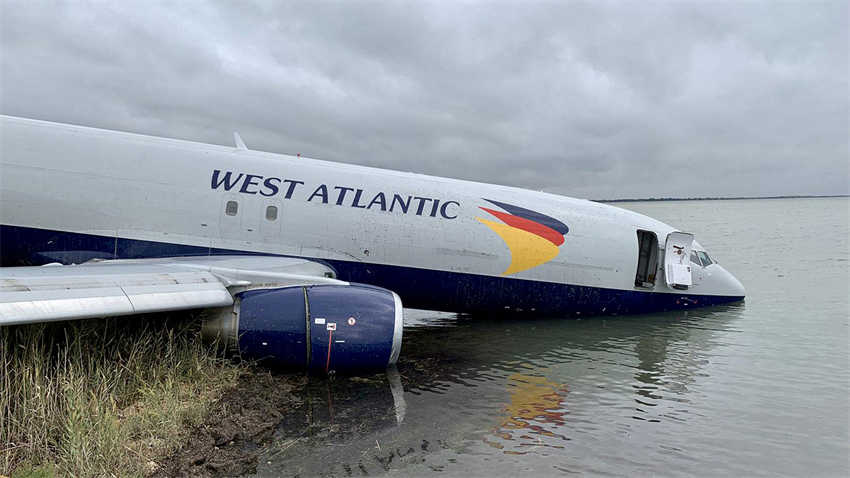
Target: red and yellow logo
[[533, 238]]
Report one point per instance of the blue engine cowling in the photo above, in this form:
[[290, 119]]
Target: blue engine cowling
[[343, 328]]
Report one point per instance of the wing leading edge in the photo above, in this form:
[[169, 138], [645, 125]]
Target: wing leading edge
[[128, 287]]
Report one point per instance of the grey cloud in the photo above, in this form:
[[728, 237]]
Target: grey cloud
[[598, 100]]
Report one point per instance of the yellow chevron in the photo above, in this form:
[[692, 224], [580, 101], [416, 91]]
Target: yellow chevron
[[528, 250]]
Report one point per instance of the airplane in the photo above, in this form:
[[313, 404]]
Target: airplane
[[305, 263]]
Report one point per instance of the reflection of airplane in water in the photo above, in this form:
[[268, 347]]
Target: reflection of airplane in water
[[513, 386], [535, 402], [541, 363]]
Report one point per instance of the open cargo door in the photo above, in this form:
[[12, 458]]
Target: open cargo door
[[677, 265]]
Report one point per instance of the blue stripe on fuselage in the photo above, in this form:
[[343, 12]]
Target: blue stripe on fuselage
[[418, 288]]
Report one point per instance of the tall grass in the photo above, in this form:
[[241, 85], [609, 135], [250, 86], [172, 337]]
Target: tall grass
[[107, 397]]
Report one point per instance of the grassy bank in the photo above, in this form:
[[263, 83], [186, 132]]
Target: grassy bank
[[107, 397]]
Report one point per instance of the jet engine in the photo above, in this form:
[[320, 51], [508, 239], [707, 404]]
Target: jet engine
[[324, 328]]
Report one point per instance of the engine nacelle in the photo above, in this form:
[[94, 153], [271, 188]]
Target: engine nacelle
[[344, 328]]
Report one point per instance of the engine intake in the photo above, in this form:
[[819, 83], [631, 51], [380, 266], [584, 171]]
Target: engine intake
[[344, 328]]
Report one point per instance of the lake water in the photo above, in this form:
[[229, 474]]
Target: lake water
[[758, 388]]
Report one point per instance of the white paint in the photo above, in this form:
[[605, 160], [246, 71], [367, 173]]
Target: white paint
[[94, 181]]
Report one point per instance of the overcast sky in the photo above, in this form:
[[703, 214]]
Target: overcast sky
[[594, 100]]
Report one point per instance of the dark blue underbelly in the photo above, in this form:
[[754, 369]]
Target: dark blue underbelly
[[418, 288]]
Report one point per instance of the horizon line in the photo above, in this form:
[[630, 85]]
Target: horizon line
[[724, 198]]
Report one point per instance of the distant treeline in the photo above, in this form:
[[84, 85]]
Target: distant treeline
[[720, 198]]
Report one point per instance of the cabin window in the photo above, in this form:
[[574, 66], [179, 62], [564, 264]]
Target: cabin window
[[271, 213], [706, 261], [231, 208], [647, 259]]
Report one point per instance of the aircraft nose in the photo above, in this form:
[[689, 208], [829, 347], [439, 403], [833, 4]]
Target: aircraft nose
[[732, 284]]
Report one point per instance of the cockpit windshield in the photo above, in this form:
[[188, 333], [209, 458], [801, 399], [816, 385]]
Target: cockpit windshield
[[701, 258], [695, 259]]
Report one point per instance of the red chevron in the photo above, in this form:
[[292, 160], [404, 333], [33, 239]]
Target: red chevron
[[545, 232]]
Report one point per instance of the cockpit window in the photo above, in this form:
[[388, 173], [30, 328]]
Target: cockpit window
[[695, 258], [706, 261]]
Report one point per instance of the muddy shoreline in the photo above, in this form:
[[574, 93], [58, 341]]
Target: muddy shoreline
[[230, 440]]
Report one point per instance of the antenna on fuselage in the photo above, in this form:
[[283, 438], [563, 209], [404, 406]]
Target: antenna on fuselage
[[239, 143]]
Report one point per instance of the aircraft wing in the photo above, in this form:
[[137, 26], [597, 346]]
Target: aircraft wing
[[135, 286]]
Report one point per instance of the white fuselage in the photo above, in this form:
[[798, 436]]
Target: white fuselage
[[408, 232]]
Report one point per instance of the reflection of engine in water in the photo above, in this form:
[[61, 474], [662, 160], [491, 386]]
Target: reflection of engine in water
[[338, 429], [357, 404], [359, 399], [345, 409], [536, 406]]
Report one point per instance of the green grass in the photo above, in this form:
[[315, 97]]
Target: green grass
[[109, 397]]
